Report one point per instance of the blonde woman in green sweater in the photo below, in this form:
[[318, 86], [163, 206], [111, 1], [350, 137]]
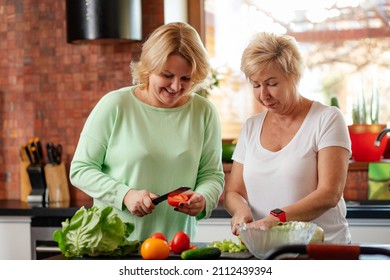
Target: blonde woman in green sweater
[[150, 138]]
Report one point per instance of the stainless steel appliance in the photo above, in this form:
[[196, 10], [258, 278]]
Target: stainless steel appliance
[[42, 244]]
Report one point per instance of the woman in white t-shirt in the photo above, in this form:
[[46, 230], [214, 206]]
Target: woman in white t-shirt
[[291, 161]]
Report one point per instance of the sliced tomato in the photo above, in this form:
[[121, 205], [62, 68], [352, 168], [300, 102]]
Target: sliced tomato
[[175, 200]]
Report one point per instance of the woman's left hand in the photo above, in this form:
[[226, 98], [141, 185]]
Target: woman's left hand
[[265, 223], [194, 205]]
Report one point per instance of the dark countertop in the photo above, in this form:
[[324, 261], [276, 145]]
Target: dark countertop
[[355, 210], [63, 210], [243, 255], [368, 252], [20, 208]]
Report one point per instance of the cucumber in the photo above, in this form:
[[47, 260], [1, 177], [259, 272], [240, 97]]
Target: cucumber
[[206, 253]]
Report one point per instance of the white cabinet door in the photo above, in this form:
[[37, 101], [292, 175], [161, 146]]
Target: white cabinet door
[[370, 231], [15, 238], [214, 229]]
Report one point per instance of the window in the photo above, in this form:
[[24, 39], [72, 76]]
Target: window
[[345, 44]]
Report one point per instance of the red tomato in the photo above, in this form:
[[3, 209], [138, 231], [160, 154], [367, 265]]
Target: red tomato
[[175, 200], [180, 242], [159, 235]]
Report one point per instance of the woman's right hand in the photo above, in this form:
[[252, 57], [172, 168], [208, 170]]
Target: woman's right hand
[[139, 202]]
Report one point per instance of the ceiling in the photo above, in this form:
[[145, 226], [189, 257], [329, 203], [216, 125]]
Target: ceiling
[[333, 21]]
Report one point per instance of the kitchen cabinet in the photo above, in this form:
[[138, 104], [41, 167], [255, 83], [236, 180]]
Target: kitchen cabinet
[[25, 229], [370, 231], [214, 229], [15, 238]]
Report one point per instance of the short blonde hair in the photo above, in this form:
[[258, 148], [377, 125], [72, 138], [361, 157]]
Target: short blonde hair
[[268, 49], [173, 38]]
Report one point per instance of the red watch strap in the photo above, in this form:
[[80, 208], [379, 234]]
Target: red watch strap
[[280, 214]]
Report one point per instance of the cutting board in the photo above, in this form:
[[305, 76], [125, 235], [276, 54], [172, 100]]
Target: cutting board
[[243, 255], [136, 255], [237, 255]]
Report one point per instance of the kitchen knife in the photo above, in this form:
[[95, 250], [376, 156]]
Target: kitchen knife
[[27, 152], [37, 143], [49, 153], [35, 155], [161, 198], [54, 153], [57, 153]]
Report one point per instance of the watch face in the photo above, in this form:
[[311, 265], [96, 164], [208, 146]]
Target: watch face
[[277, 211]]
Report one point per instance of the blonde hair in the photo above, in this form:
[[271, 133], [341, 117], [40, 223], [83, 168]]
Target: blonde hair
[[173, 38], [268, 49]]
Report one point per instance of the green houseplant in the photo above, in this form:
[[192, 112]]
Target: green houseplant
[[366, 127], [212, 81]]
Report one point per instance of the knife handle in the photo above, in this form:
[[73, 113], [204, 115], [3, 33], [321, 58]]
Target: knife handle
[[27, 151], [38, 144], [35, 155], [49, 152], [58, 153]]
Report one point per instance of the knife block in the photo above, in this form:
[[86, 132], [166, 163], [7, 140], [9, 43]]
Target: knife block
[[25, 185], [57, 182], [38, 192]]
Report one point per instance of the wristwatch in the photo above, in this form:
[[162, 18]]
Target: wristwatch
[[279, 213]]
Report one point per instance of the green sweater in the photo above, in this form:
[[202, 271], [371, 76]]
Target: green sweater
[[127, 144]]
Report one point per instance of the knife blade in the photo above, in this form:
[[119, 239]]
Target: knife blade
[[163, 197]]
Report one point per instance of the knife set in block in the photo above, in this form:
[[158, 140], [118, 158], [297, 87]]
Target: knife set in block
[[44, 183], [38, 193], [57, 182]]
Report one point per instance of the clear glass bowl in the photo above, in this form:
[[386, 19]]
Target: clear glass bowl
[[260, 241]]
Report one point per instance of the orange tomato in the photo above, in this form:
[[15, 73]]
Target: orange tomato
[[154, 249]]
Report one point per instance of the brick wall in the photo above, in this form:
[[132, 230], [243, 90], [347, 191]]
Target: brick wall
[[48, 87], [356, 187]]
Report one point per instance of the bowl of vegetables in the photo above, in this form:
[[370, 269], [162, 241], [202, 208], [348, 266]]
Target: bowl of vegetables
[[261, 240]]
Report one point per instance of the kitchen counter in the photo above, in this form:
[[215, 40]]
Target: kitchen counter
[[59, 209], [243, 255], [370, 252], [355, 210], [369, 223]]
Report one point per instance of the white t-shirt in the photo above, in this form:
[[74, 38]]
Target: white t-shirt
[[277, 179]]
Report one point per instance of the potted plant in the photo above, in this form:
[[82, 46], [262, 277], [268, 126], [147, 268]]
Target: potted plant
[[212, 81], [366, 128]]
